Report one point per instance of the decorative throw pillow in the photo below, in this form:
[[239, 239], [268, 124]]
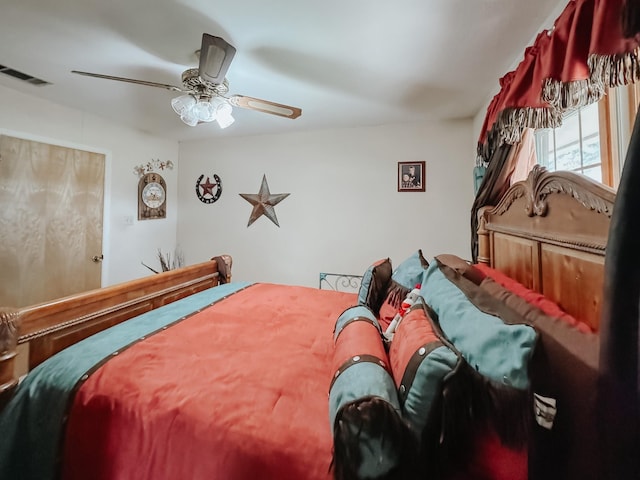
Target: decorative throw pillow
[[494, 340], [409, 272], [370, 437], [403, 279], [433, 383], [373, 288], [421, 362], [475, 332], [564, 381]]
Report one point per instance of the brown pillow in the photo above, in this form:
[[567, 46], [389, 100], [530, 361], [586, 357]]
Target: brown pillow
[[463, 267], [564, 371], [375, 281]]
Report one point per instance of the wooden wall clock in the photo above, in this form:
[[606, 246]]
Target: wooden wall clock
[[152, 197]]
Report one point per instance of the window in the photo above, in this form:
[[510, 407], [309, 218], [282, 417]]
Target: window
[[574, 146], [592, 140]]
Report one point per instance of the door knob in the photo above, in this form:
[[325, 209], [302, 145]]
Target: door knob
[[97, 258]]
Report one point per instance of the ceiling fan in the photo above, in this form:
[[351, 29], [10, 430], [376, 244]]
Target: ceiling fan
[[204, 89]]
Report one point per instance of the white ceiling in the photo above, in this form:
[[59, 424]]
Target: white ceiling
[[344, 62]]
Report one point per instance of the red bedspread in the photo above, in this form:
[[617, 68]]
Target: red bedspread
[[237, 391]]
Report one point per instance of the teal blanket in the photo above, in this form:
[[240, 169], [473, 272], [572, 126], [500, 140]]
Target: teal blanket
[[32, 424]]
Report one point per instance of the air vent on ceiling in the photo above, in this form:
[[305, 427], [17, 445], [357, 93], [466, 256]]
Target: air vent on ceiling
[[22, 76]]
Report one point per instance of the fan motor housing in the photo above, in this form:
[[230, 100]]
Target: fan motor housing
[[191, 80]]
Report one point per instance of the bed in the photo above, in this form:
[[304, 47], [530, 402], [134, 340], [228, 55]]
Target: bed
[[189, 374]]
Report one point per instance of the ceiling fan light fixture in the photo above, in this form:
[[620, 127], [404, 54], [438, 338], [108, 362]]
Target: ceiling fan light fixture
[[223, 115], [202, 96], [204, 111], [190, 118], [183, 103]]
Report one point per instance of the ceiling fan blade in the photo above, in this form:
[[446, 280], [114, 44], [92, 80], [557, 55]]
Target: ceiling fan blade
[[131, 80], [215, 57], [265, 106]]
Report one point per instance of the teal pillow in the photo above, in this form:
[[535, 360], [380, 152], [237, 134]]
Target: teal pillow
[[497, 350], [495, 344], [409, 273], [403, 279]]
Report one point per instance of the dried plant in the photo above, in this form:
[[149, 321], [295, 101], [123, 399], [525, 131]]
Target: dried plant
[[166, 262]]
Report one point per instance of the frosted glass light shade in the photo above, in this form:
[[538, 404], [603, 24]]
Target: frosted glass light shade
[[190, 118], [223, 115], [194, 110], [204, 111], [183, 103]]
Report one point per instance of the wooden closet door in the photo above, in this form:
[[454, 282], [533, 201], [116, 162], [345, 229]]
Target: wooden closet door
[[51, 204]]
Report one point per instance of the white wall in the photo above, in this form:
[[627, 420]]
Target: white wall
[[344, 211], [124, 246]]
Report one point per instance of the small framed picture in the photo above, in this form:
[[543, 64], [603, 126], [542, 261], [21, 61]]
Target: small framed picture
[[411, 176]]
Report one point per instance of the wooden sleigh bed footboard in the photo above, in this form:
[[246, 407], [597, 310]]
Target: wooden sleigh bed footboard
[[52, 326], [550, 233]]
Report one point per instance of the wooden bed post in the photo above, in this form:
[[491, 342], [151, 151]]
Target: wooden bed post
[[9, 325], [228, 260], [484, 244]]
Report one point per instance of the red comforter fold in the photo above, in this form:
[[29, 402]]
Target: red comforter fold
[[237, 391]]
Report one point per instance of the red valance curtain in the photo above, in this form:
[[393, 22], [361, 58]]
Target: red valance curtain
[[522, 105], [568, 83], [592, 45]]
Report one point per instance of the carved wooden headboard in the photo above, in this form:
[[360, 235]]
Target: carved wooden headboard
[[550, 232]]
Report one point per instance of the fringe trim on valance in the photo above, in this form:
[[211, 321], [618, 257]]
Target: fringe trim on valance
[[615, 70], [564, 96], [512, 122], [606, 71], [510, 125]]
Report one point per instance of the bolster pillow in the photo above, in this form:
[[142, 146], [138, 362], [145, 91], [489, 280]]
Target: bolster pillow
[[370, 439]]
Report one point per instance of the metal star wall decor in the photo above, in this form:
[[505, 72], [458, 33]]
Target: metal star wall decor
[[263, 202]]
